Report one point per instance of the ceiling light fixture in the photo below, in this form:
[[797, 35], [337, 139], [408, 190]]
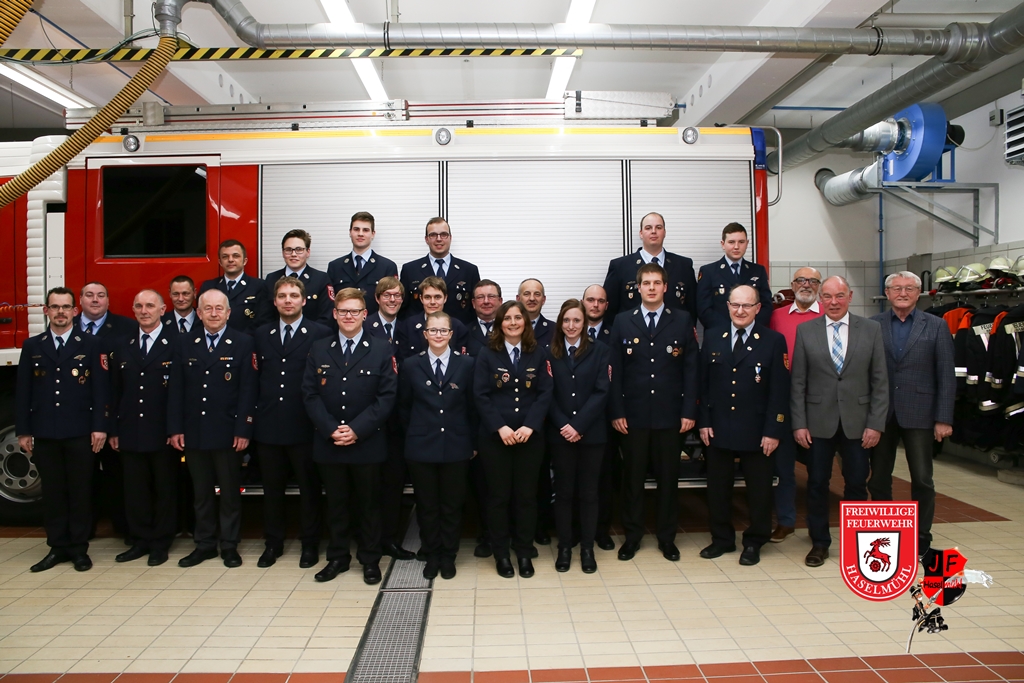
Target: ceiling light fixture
[[338, 12], [45, 87], [579, 12]]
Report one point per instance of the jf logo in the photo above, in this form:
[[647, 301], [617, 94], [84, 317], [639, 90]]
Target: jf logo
[[878, 548]]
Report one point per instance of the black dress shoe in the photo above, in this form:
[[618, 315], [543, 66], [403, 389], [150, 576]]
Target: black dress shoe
[[430, 570], [371, 574], [52, 559], [483, 549], [750, 556], [396, 551], [715, 550], [197, 556], [525, 567], [81, 562], [588, 563], [817, 556], [532, 553], [133, 553], [447, 569], [333, 568], [231, 558], [269, 557], [564, 559], [604, 543], [542, 538], [310, 557], [669, 551], [504, 567], [628, 550], [156, 558]]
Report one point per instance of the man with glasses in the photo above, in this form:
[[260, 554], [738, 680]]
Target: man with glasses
[[922, 385], [349, 388], [785, 319], [182, 316], [459, 276], [316, 283], [432, 295], [486, 300], [249, 302], [839, 402], [716, 280], [61, 413], [362, 268]]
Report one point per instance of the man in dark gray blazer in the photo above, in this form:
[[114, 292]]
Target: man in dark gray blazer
[[922, 384], [839, 401]]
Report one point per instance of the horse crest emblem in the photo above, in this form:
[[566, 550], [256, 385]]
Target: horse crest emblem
[[878, 548]]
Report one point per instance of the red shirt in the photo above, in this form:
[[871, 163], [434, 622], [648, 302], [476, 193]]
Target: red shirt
[[785, 320]]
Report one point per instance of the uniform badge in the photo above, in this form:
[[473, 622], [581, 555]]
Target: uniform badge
[[74, 372], [757, 336], [255, 365], [676, 351], [394, 364], [227, 341], [87, 372], [453, 385], [505, 377], [721, 265], [227, 376], [609, 373], [780, 418], [668, 349], [249, 313], [330, 291], [323, 381], [527, 384], [81, 380], [376, 324], [700, 274], [550, 374], [636, 340], [103, 361], [629, 351], [721, 289], [785, 360], [498, 384], [757, 372], [303, 330], [314, 296], [82, 357]]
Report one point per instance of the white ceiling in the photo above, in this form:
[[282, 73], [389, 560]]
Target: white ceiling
[[723, 88]]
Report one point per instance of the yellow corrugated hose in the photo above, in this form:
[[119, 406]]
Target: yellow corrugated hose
[[11, 12], [96, 126]]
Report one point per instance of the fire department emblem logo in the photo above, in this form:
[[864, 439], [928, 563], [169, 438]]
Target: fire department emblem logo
[[944, 576], [878, 548]]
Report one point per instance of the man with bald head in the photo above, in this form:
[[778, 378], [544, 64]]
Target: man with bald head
[[531, 295], [839, 402], [213, 390]]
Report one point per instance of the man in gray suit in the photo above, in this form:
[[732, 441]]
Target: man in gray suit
[[839, 401], [919, 356]]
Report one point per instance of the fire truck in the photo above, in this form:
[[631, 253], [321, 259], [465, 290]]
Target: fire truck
[[546, 190]]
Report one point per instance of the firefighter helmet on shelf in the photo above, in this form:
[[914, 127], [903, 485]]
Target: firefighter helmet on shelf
[[972, 272], [999, 265]]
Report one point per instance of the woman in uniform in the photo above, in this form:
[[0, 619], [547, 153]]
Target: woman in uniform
[[577, 431], [513, 388]]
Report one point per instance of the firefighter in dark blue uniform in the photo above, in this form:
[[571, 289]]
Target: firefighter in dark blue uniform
[[362, 267], [622, 285], [486, 300], [247, 295], [316, 283], [435, 403], [210, 411], [531, 295], [716, 280], [182, 316], [61, 418], [653, 402], [283, 431], [743, 415], [140, 372], [459, 276], [432, 295], [599, 329], [349, 388]]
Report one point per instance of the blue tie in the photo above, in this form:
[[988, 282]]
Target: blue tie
[[837, 347], [736, 270], [440, 267], [515, 358], [213, 340], [145, 343], [359, 264], [348, 351]]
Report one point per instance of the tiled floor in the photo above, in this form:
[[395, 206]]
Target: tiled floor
[[648, 619]]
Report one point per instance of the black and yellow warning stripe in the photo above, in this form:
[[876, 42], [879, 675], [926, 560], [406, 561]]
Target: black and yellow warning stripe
[[206, 54]]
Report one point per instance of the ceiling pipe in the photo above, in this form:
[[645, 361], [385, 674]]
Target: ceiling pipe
[[973, 47], [928, 19]]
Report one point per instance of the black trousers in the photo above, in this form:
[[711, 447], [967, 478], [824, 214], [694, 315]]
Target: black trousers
[[918, 445], [392, 486], [545, 494], [151, 496], [210, 468], [478, 486], [358, 484], [512, 479], [275, 463], [440, 495], [66, 467], [108, 487], [577, 471], [659, 449], [611, 473], [758, 471]]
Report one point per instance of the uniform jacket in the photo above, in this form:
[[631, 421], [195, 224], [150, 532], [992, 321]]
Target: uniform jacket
[[475, 340], [439, 421], [281, 417], [513, 397], [820, 396], [213, 394], [115, 328], [543, 331], [375, 328], [250, 305], [580, 396], [922, 383], [170, 323], [744, 396], [62, 396], [410, 340], [361, 395], [140, 386], [604, 335], [713, 284], [621, 286], [461, 277], [319, 300], [341, 273], [654, 381]]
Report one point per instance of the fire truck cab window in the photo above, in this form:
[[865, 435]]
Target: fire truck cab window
[[154, 211]]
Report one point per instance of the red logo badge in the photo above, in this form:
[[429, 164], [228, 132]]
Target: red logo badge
[[103, 361], [878, 548], [944, 576], [255, 364], [330, 292]]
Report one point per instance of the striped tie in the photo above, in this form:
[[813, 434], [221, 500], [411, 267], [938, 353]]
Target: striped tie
[[837, 348]]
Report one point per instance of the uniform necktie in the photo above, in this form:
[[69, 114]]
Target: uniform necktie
[[488, 325], [145, 345], [213, 340], [359, 264], [438, 373], [348, 350], [515, 358], [440, 267], [90, 328], [592, 333], [837, 347], [287, 336], [572, 356], [60, 344], [654, 260], [650, 323], [739, 341], [231, 285], [182, 327], [736, 269], [387, 328]]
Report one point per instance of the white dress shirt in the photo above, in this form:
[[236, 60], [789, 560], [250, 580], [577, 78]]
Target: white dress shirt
[[844, 333]]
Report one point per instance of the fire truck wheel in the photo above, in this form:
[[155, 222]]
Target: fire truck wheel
[[21, 488]]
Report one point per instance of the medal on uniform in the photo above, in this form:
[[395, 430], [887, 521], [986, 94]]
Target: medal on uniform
[[668, 349], [757, 373], [323, 381], [227, 376], [499, 384], [721, 289], [505, 377], [74, 372], [629, 351], [636, 340], [81, 380]]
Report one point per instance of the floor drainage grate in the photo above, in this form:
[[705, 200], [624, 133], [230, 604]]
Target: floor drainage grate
[[406, 575]]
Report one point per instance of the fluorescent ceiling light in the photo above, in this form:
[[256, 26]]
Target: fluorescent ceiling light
[[45, 87], [580, 12], [338, 12]]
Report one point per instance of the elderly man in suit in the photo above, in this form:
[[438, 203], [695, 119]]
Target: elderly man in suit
[[922, 384], [839, 401]]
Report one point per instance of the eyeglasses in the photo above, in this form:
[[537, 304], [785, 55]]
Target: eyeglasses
[[348, 312], [391, 297], [288, 251], [438, 235], [438, 331], [736, 306], [486, 297], [61, 307], [909, 289], [806, 281]]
